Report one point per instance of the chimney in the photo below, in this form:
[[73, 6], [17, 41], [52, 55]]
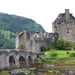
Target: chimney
[[66, 14]]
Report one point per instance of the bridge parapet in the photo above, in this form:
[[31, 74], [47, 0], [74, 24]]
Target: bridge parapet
[[21, 50]]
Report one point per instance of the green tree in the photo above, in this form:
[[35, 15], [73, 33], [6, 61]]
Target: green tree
[[60, 44], [6, 46], [21, 45]]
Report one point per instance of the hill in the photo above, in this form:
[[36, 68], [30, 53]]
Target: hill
[[9, 24], [15, 23], [7, 40]]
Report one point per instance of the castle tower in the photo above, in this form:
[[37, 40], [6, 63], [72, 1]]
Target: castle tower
[[66, 14]]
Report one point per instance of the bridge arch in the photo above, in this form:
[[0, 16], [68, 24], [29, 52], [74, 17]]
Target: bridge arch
[[30, 61], [22, 62], [11, 61]]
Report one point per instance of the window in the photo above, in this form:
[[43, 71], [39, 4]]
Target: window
[[68, 31]]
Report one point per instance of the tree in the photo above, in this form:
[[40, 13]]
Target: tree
[[7, 46], [60, 44], [21, 45]]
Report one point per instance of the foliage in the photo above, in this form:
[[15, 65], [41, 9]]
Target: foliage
[[43, 48], [72, 55], [37, 56], [40, 57], [7, 41], [44, 60], [36, 60], [68, 48], [67, 52], [15, 23], [21, 45], [61, 44], [53, 54]]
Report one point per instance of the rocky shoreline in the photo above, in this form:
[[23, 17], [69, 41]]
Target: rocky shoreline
[[38, 72]]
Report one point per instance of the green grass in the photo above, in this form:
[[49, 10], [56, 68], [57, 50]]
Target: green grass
[[61, 58], [60, 54], [3, 73]]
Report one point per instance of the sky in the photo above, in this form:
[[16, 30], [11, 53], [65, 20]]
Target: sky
[[44, 12]]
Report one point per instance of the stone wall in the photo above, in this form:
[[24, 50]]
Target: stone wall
[[64, 25], [7, 62], [35, 41]]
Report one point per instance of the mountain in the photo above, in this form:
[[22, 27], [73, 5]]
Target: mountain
[[15, 23]]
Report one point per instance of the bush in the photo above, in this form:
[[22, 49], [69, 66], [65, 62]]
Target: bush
[[44, 60], [40, 57], [72, 55], [67, 52], [48, 48], [21, 45], [53, 54], [68, 48], [37, 56], [43, 48], [36, 60]]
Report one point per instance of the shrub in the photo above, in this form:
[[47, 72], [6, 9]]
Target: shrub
[[43, 48], [48, 48], [36, 60], [53, 54], [40, 57], [37, 56], [68, 48], [72, 55], [21, 45], [67, 52], [44, 60]]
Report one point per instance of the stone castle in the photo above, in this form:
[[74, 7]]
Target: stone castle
[[62, 27], [35, 41]]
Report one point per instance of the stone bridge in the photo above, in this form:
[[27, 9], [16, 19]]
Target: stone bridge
[[17, 58]]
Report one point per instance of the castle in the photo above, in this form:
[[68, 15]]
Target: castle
[[35, 41], [62, 27]]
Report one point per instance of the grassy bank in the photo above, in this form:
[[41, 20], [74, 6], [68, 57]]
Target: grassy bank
[[58, 57]]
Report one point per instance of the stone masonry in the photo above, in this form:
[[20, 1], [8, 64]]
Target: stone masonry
[[35, 41], [64, 25], [17, 58]]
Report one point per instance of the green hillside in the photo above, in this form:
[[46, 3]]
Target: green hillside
[[9, 24], [7, 40], [15, 23]]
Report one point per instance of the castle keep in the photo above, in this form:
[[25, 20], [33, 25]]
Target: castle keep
[[35, 41], [64, 25]]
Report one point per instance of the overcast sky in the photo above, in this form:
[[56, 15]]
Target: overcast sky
[[44, 12]]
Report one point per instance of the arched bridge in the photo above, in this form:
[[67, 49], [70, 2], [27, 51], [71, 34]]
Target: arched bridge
[[17, 58]]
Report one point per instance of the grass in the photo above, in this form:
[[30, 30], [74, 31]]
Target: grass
[[60, 54], [3, 73], [62, 57]]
